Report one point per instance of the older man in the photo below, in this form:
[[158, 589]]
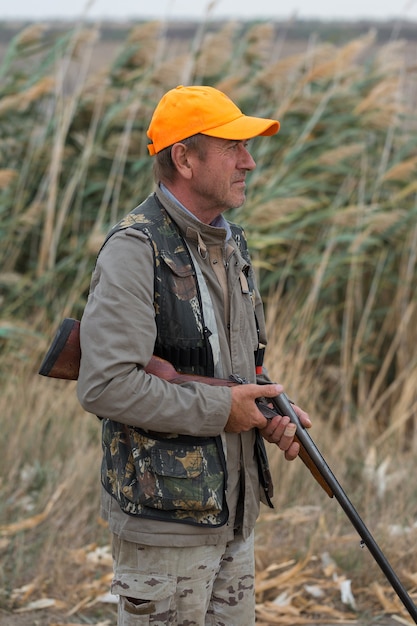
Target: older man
[[182, 464]]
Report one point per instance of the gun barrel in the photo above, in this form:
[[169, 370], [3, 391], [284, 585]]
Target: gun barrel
[[284, 406]]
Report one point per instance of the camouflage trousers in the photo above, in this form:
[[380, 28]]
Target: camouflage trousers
[[189, 586]]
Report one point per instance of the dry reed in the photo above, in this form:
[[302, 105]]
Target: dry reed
[[330, 218]]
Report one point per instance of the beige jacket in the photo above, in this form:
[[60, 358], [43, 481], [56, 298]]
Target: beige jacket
[[118, 332]]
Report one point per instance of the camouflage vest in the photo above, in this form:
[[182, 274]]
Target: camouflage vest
[[169, 477]]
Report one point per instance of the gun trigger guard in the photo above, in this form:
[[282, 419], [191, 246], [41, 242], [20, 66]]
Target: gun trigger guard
[[265, 409], [238, 379]]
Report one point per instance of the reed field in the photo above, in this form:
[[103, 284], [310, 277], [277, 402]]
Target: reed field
[[331, 217]]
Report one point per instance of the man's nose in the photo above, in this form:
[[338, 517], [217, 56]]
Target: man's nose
[[246, 160]]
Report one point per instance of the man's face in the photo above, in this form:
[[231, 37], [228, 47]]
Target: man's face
[[219, 172]]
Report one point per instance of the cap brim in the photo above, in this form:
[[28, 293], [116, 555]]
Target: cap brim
[[244, 127]]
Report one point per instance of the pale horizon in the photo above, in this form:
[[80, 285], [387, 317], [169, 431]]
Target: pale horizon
[[325, 10]]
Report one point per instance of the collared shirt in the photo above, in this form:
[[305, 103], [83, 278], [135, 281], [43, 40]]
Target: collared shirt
[[218, 222]]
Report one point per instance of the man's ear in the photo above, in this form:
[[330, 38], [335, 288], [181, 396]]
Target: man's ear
[[179, 155]]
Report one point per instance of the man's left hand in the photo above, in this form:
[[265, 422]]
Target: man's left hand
[[281, 431]]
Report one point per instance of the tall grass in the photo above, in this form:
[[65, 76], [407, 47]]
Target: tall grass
[[331, 219]]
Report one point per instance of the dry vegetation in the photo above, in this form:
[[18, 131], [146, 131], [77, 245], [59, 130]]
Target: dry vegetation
[[331, 218]]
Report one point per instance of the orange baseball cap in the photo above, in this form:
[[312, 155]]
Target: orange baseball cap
[[186, 111]]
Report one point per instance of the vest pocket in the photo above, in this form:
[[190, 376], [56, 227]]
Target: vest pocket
[[178, 472]]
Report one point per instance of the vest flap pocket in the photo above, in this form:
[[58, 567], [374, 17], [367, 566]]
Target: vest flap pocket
[[177, 473], [178, 464], [170, 477]]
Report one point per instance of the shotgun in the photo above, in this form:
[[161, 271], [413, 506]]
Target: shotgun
[[63, 361]]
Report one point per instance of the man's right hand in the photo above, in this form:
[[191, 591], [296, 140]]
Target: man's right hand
[[244, 413]]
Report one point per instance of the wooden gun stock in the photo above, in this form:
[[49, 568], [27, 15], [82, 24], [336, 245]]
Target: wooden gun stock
[[63, 357]]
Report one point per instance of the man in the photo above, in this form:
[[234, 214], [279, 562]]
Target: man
[[181, 465]]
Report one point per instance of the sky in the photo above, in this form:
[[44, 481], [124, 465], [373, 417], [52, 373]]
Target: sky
[[198, 9]]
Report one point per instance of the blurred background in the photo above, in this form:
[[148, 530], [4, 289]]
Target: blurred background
[[331, 221]]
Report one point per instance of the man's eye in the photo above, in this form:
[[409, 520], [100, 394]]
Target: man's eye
[[235, 145]]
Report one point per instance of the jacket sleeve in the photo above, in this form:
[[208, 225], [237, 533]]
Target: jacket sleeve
[[117, 337]]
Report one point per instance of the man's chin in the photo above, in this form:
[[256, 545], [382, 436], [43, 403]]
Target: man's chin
[[237, 200]]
